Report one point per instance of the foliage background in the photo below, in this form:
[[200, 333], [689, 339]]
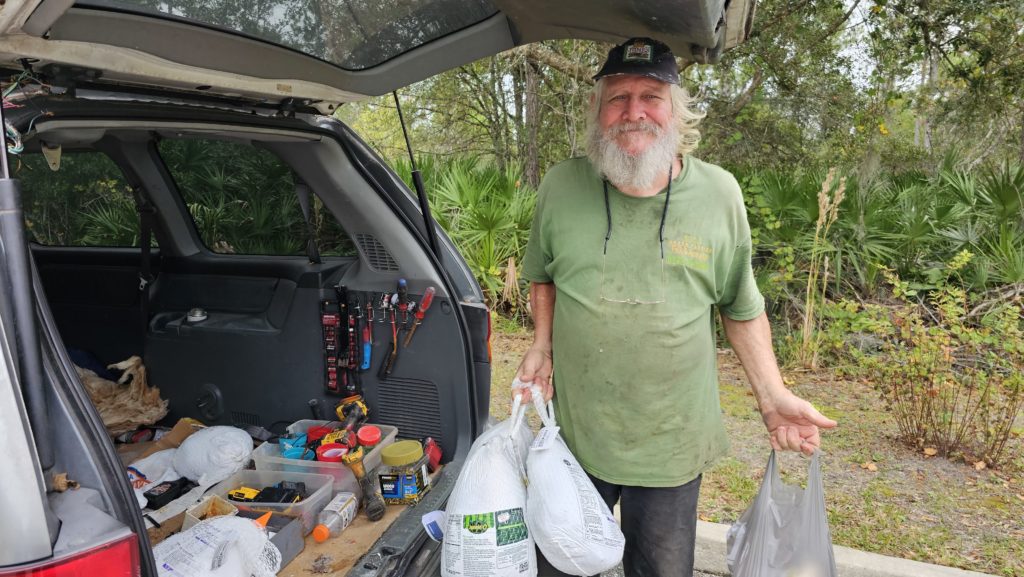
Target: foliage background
[[919, 105]]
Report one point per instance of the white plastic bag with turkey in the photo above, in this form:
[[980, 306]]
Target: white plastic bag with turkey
[[565, 514], [486, 532]]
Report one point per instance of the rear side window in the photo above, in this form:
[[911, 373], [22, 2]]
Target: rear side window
[[352, 34], [243, 200], [86, 202]]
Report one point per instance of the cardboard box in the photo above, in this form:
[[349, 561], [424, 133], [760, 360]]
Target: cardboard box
[[173, 439], [165, 530], [131, 452], [210, 506]]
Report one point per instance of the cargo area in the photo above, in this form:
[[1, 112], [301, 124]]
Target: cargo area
[[281, 277]]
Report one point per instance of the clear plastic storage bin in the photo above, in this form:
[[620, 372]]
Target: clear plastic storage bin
[[268, 458], [318, 493]]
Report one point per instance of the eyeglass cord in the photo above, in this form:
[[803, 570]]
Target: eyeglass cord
[[664, 212]]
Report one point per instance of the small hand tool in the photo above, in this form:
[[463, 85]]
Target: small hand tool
[[352, 411], [373, 502], [421, 309], [403, 299], [367, 345], [389, 363]]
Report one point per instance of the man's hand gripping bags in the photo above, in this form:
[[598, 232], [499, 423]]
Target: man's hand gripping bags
[[565, 514]]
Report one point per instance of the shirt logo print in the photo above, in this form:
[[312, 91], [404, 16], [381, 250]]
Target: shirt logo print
[[689, 251]]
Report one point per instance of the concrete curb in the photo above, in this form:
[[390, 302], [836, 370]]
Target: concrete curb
[[709, 557]]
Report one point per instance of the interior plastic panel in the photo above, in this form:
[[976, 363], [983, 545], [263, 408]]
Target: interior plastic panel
[[94, 296]]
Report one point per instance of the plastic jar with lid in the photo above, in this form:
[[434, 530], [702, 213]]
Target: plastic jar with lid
[[403, 473], [368, 437]]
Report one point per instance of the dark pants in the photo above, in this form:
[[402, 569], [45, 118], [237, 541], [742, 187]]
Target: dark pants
[[660, 525]]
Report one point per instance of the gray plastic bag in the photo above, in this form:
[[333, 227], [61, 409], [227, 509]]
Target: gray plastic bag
[[784, 532]]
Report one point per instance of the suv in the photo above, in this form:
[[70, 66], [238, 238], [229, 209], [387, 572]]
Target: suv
[[188, 199]]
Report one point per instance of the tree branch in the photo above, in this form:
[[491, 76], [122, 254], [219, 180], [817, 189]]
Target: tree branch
[[837, 24], [540, 54], [748, 94], [778, 18]]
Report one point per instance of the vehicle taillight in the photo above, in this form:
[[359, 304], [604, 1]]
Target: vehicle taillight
[[489, 313], [115, 559]]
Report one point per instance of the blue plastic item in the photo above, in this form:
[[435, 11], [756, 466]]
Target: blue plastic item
[[295, 448]]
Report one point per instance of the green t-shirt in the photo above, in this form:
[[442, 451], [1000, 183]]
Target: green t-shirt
[[636, 385]]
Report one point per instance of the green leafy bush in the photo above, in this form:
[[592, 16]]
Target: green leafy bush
[[954, 380]]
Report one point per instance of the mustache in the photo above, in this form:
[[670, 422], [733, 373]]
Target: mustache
[[639, 126]]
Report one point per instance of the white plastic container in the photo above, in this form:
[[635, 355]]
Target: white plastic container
[[268, 458], [318, 493]]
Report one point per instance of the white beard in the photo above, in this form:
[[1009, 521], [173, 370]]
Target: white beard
[[629, 171]]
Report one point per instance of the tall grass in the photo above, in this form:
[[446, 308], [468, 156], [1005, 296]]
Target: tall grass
[[828, 212]]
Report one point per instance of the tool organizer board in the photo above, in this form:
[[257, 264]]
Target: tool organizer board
[[344, 550]]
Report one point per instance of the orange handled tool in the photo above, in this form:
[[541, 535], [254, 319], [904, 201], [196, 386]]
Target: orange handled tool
[[421, 309]]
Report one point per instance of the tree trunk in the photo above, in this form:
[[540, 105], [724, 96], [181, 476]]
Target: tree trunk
[[1021, 159], [922, 127], [933, 78], [531, 166], [500, 132], [870, 164], [748, 94], [519, 80]]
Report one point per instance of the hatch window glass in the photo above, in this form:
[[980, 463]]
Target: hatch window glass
[[243, 201], [353, 34], [85, 202]]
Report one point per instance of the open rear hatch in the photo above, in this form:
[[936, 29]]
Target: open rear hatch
[[327, 53]]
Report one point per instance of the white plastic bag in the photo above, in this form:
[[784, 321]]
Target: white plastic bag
[[213, 454], [784, 532], [567, 517], [218, 547], [486, 534]]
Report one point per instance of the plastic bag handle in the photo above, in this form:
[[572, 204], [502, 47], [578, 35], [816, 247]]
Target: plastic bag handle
[[813, 469], [517, 414], [545, 410]]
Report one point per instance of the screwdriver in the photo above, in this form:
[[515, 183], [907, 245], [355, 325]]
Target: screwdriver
[[421, 309], [403, 299], [367, 344], [398, 301]]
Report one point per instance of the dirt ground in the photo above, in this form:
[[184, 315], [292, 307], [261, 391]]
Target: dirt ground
[[881, 495]]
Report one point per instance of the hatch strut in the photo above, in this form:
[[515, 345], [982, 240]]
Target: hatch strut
[[18, 271], [417, 180]]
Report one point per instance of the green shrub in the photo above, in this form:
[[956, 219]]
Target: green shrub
[[954, 381]]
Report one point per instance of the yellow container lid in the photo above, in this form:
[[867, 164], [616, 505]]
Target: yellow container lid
[[401, 453]]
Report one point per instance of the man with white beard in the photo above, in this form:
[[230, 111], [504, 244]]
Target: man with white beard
[[631, 249]]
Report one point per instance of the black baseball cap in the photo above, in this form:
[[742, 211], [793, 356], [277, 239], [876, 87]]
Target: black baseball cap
[[643, 57]]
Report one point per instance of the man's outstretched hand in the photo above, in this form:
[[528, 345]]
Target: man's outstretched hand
[[535, 369], [793, 424]]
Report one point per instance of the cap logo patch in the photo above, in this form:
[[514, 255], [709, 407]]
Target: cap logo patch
[[638, 52]]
